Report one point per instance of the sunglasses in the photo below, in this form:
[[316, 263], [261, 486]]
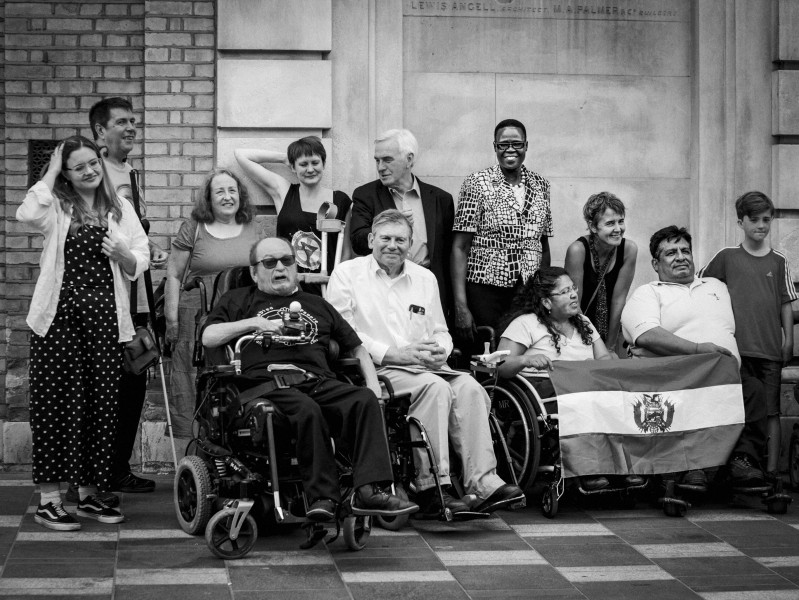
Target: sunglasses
[[271, 263]]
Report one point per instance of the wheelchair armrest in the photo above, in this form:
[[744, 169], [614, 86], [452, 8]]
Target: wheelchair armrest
[[347, 362]]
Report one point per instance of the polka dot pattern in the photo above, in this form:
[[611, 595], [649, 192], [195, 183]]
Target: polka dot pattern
[[75, 371]]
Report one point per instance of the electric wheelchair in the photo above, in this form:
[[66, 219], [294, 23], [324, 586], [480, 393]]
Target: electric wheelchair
[[241, 464]]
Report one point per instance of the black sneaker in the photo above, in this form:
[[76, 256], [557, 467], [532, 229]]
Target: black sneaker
[[371, 499], [322, 510], [53, 516], [743, 471], [94, 508], [109, 499], [503, 497], [131, 484], [430, 504]]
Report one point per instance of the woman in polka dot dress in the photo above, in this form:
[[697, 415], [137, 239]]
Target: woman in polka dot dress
[[80, 317]]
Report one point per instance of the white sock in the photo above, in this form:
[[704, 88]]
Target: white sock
[[85, 492], [52, 497]]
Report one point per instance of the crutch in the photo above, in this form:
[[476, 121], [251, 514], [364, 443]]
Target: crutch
[[326, 223], [148, 287]]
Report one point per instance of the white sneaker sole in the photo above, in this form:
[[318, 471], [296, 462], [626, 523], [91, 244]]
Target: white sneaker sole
[[101, 518], [56, 526]]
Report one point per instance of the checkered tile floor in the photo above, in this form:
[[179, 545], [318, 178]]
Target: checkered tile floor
[[716, 553]]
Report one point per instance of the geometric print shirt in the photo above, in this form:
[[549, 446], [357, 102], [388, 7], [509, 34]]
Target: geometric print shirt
[[507, 235]]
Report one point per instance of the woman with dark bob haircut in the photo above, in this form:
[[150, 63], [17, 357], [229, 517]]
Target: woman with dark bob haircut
[[297, 203], [218, 236], [80, 316]]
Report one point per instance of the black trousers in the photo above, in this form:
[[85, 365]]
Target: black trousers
[[319, 409], [755, 433], [132, 390]]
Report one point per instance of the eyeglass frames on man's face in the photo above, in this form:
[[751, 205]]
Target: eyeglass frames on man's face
[[502, 146], [271, 263], [94, 165]]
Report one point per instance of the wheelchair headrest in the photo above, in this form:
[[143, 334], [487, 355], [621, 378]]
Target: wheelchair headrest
[[230, 279]]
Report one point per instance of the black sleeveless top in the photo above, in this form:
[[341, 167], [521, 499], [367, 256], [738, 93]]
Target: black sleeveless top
[[591, 278], [308, 245]]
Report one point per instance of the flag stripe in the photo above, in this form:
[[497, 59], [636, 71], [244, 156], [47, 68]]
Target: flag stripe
[[658, 374], [625, 412], [597, 453]]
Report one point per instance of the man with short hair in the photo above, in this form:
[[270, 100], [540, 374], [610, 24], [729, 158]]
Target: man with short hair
[[113, 128], [430, 210], [683, 314], [320, 405], [394, 305]]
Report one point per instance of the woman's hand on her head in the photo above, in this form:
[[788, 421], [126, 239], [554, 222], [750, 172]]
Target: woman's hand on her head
[[57, 159]]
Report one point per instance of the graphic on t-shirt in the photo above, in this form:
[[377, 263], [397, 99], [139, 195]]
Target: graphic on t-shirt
[[311, 324], [308, 250]]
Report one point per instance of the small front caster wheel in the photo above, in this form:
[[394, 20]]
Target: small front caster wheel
[[217, 535]]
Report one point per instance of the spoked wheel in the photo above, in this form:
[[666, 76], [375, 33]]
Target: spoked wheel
[[793, 459], [398, 522], [549, 501], [519, 426], [357, 530], [217, 535], [191, 490]]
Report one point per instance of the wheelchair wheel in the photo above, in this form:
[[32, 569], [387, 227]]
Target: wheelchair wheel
[[398, 522], [217, 535], [793, 459], [519, 426], [191, 490], [549, 501], [356, 531]]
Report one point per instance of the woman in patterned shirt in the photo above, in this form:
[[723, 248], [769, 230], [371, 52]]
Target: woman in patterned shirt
[[501, 229]]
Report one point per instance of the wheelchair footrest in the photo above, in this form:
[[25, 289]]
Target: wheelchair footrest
[[316, 533], [469, 515]]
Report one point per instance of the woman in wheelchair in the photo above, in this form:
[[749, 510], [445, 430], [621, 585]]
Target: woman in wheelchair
[[545, 325]]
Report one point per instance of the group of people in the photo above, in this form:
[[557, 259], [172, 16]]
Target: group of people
[[410, 269]]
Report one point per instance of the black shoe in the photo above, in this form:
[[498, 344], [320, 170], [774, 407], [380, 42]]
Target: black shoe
[[322, 510], [593, 484], [502, 497], [131, 484], [696, 480], [743, 471], [371, 499], [430, 503], [632, 480], [53, 516], [94, 508], [109, 499]]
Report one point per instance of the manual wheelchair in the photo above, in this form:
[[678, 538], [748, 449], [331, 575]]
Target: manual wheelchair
[[528, 425], [242, 465]]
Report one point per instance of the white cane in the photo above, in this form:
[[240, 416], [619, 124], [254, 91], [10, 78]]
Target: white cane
[[168, 417]]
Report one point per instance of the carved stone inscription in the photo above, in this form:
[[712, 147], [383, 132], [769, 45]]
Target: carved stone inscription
[[633, 10]]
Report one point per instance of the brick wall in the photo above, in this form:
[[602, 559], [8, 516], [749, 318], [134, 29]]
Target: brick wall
[[60, 58]]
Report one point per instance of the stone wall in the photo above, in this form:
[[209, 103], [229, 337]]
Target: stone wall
[[60, 58]]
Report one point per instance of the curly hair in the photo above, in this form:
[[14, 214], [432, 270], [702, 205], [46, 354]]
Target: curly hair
[[203, 213], [530, 299]]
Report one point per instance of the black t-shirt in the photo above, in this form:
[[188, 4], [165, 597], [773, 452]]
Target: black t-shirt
[[324, 321]]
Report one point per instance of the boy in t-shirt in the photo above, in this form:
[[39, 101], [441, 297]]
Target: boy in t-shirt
[[761, 289]]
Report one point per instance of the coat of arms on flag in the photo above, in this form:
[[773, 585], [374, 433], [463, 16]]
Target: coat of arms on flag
[[647, 416]]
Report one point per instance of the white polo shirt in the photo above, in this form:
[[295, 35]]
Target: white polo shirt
[[699, 312]]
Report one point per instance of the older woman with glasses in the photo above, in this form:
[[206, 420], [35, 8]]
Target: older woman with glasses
[[217, 237]]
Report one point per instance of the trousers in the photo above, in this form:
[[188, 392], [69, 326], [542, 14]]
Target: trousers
[[453, 409]]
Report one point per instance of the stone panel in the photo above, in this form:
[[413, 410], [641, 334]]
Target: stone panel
[[785, 176], [453, 117], [785, 238], [275, 25], [258, 196], [586, 47], [453, 44], [274, 93], [602, 127], [787, 38], [16, 442], [785, 106]]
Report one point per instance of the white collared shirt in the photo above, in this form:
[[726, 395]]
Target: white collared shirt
[[699, 312], [379, 307], [412, 199]]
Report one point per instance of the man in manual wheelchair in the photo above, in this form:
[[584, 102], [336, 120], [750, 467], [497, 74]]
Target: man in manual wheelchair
[[291, 372]]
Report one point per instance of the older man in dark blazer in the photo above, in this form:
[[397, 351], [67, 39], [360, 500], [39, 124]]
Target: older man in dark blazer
[[430, 210]]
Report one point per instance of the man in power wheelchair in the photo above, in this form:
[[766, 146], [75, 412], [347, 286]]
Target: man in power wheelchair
[[395, 307], [291, 372]]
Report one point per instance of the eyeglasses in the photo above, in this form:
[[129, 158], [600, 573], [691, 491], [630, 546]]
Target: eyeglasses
[[502, 146], [565, 291], [271, 263], [94, 165]]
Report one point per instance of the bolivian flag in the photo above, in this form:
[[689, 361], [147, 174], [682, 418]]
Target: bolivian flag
[[647, 416]]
